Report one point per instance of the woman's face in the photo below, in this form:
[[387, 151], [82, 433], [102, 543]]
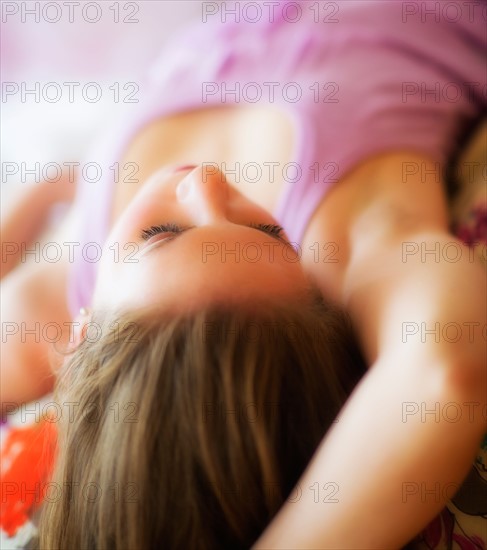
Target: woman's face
[[188, 238]]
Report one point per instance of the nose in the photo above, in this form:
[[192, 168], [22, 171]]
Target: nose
[[204, 192]]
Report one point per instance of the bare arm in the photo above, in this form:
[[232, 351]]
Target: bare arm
[[35, 324], [394, 464], [34, 314]]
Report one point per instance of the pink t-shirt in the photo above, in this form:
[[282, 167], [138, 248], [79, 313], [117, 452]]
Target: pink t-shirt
[[356, 78]]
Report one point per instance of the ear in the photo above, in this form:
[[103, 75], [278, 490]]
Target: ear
[[79, 327]]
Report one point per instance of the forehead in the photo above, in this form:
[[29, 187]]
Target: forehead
[[210, 266]]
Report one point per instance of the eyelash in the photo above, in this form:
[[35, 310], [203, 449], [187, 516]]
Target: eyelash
[[163, 228], [146, 234]]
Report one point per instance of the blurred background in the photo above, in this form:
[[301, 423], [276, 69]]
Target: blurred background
[[110, 43]]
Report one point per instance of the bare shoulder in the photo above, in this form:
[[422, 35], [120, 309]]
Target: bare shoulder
[[387, 193]]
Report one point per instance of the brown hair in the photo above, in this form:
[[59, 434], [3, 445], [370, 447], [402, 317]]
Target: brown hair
[[219, 412]]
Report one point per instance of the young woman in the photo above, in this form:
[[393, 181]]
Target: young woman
[[205, 308]]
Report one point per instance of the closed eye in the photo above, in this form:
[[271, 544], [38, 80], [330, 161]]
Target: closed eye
[[146, 234], [271, 229]]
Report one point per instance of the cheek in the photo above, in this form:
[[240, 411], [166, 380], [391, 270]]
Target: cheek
[[130, 224], [141, 214]]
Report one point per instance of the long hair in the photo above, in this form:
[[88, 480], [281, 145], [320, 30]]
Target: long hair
[[191, 430]]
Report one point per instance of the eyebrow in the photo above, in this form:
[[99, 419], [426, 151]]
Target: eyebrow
[[166, 242]]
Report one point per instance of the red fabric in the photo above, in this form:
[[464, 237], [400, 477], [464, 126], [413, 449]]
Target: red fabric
[[26, 461]]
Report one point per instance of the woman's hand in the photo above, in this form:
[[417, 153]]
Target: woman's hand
[[27, 217]]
